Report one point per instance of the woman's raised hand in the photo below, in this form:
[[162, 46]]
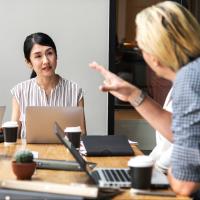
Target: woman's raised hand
[[115, 85]]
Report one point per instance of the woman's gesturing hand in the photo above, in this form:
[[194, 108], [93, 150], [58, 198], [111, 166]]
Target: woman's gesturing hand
[[115, 85]]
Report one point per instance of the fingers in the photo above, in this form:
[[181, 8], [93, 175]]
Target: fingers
[[108, 87], [104, 88], [99, 68]]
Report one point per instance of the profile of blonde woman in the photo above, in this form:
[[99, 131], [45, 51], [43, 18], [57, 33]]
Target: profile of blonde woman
[[169, 38], [170, 32]]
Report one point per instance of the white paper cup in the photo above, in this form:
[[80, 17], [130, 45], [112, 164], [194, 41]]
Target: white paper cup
[[141, 172], [73, 134], [10, 129]]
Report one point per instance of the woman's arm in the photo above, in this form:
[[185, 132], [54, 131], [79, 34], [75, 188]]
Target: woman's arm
[[185, 188], [15, 116], [150, 110], [81, 104], [156, 116]]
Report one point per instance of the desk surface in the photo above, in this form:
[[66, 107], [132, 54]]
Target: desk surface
[[58, 151]]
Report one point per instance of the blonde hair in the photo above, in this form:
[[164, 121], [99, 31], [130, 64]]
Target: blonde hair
[[170, 32]]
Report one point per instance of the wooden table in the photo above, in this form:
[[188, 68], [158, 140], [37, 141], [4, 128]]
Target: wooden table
[[58, 151]]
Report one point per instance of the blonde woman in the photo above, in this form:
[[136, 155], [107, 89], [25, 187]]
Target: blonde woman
[[169, 38]]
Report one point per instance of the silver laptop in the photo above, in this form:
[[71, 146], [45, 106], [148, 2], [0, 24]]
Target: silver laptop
[[107, 177], [40, 119], [2, 112]]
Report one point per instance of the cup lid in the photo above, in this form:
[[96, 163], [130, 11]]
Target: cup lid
[[73, 129], [140, 161], [10, 124]]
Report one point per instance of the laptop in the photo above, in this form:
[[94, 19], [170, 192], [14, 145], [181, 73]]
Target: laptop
[[40, 119], [2, 112], [107, 145], [32, 195], [107, 177]]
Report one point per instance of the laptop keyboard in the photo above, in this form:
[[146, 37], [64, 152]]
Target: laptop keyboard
[[112, 177], [119, 177], [116, 175]]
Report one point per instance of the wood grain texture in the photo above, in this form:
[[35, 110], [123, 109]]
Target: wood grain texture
[[58, 151]]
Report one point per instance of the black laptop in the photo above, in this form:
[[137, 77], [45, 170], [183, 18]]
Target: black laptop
[[106, 177], [107, 145]]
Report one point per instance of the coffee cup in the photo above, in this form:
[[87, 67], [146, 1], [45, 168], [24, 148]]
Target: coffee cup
[[140, 172], [74, 134], [10, 129]]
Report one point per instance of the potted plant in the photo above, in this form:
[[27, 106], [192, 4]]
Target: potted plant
[[23, 165]]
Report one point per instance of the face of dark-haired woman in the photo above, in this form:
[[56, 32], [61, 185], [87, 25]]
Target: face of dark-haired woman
[[43, 60]]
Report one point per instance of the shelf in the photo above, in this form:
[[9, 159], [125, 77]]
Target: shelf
[[127, 114]]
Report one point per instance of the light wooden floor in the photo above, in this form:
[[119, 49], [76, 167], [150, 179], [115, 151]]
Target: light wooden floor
[[127, 114]]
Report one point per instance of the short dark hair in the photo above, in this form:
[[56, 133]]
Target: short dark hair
[[37, 38]]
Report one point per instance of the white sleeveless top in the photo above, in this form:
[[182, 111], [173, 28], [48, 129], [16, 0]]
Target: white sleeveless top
[[28, 93], [161, 153]]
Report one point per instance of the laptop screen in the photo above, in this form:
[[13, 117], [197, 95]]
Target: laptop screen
[[83, 164], [2, 111], [39, 122]]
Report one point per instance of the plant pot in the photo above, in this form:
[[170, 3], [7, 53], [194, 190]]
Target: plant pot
[[23, 171]]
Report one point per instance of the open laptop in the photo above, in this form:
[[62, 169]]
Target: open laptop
[[107, 177], [2, 112], [40, 119]]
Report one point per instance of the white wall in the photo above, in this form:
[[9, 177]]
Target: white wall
[[80, 30]]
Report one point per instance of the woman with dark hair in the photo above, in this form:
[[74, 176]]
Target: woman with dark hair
[[45, 88]]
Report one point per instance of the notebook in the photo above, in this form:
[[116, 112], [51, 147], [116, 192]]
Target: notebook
[[111, 145], [106, 177], [40, 119]]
